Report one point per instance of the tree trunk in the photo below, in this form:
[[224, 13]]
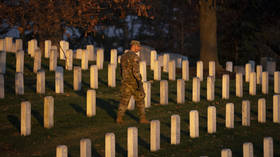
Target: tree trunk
[[208, 33]]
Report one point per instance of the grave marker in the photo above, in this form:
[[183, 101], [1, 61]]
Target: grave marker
[[147, 90], [268, 147], [277, 82], [163, 92], [166, 58], [259, 74], [239, 85], [180, 91], [19, 61], [91, 53], [114, 56], [53, 59], [143, 70], [185, 70], [212, 71], [261, 110], [84, 60], [175, 129], [2, 87], [210, 88], [3, 62], [69, 60], [37, 60], [225, 87], [48, 45], [112, 75], [248, 150], [229, 66], [59, 85], [91, 103], [171, 70], [48, 112], [132, 142], [77, 78], [199, 70], [153, 58], [229, 115], [265, 82], [226, 153], [85, 148], [155, 135], [248, 70], [194, 124], [110, 145], [196, 90], [246, 120], [157, 70], [93, 76], [40, 81], [61, 151], [25, 124], [276, 108], [252, 83], [100, 58], [211, 119], [19, 83]]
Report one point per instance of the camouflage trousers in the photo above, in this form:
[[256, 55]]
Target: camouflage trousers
[[127, 91]]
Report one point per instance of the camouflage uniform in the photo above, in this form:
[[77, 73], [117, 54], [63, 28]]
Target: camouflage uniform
[[131, 84]]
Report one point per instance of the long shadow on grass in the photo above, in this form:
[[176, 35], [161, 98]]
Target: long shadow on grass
[[50, 85], [38, 117], [14, 121], [143, 143], [95, 153], [120, 150], [78, 108], [105, 105]]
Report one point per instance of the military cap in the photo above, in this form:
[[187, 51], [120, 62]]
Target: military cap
[[135, 42]]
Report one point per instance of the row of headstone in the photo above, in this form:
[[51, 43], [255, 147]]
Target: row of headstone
[[8, 45], [25, 128], [248, 149], [132, 142]]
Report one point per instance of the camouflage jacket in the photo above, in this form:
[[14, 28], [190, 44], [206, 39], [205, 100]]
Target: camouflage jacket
[[130, 71]]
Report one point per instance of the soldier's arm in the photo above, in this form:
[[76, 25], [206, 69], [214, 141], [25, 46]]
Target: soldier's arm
[[136, 71]]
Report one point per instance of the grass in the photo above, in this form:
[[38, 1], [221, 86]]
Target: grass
[[71, 123]]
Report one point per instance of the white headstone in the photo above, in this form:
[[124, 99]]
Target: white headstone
[[265, 82], [37, 60], [85, 148], [163, 92], [229, 66], [18, 45], [153, 58], [166, 58], [210, 88], [199, 70], [19, 83], [132, 142], [155, 135], [91, 53], [211, 119], [196, 90], [225, 86], [112, 75], [268, 147], [276, 108], [114, 56], [259, 74], [48, 112], [230, 115], [40, 81], [84, 61], [93, 77], [175, 129], [239, 84], [261, 110], [194, 124], [9, 44], [59, 84], [53, 59], [110, 145], [69, 60], [226, 153], [157, 70], [212, 69], [2, 45], [143, 70], [77, 78], [246, 109], [25, 124], [147, 90], [48, 45], [32, 46], [19, 61], [91, 103], [248, 150], [64, 45], [248, 70], [171, 70], [61, 151], [180, 91], [100, 58], [252, 83], [185, 70], [277, 82]]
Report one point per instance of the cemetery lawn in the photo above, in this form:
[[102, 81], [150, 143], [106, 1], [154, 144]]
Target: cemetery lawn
[[71, 123]]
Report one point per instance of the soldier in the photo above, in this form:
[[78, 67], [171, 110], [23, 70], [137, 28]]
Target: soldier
[[131, 83]]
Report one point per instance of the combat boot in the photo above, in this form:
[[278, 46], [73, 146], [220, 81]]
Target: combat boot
[[143, 120]]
